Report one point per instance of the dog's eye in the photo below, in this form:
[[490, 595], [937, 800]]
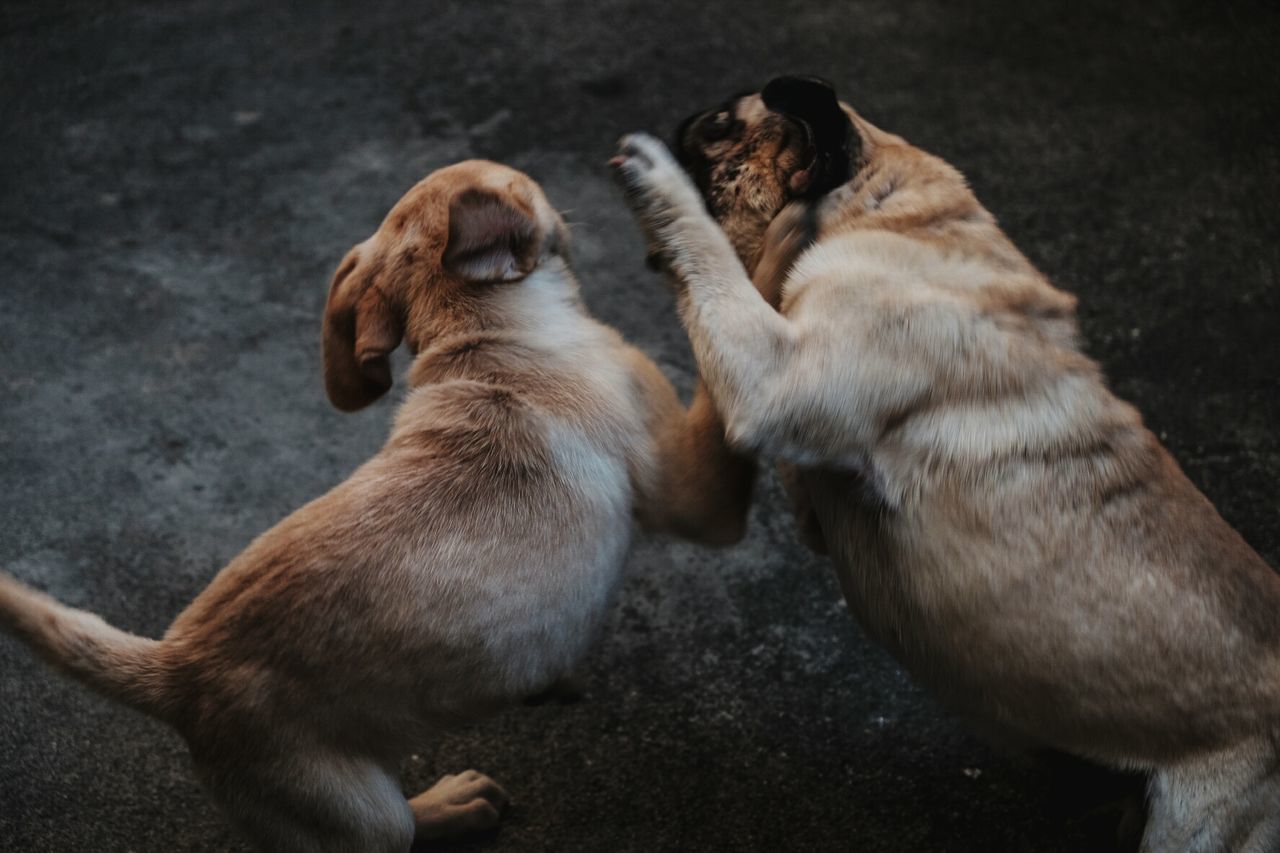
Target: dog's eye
[[717, 127]]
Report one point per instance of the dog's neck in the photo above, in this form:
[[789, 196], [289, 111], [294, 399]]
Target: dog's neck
[[539, 322], [543, 311]]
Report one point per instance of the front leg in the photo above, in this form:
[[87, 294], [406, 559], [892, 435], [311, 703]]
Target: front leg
[[695, 486], [738, 340]]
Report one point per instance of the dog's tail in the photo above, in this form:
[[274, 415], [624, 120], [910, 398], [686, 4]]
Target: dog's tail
[[117, 664]]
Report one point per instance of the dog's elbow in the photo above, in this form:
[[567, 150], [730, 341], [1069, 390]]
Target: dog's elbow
[[802, 436]]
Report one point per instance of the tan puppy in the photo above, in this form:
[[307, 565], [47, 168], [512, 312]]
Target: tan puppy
[[999, 520], [469, 563]]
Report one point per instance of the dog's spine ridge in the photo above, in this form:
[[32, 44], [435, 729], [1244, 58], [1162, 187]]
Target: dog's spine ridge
[[118, 664]]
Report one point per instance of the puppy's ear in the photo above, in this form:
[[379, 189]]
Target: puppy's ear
[[812, 102], [492, 238], [361, 328]]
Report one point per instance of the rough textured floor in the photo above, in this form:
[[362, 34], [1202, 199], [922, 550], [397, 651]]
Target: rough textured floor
[[178, 181]]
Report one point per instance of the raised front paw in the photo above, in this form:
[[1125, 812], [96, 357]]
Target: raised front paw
[[656, 188]]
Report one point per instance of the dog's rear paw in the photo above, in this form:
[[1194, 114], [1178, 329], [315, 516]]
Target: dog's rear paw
[[465, 802]]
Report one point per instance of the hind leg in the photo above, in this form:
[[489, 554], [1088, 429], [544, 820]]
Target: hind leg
[[314, 804], [467, 802], [1228, 802]]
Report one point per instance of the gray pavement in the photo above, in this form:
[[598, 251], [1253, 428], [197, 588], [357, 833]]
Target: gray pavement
[[178, 181]]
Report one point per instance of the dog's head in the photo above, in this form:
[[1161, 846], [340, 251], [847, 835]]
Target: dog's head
[[754, 153], [452, 241]]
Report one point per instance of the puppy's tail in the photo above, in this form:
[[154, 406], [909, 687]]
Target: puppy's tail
[[117, 664]]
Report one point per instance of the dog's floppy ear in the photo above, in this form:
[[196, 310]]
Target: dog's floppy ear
[[361, 328], [492, 237], [812, 102]]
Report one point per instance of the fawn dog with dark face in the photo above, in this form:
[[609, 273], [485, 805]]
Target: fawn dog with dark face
[[999, 520], [468, 564]]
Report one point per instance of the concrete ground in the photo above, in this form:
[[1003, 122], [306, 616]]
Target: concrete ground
[[179, 180]]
